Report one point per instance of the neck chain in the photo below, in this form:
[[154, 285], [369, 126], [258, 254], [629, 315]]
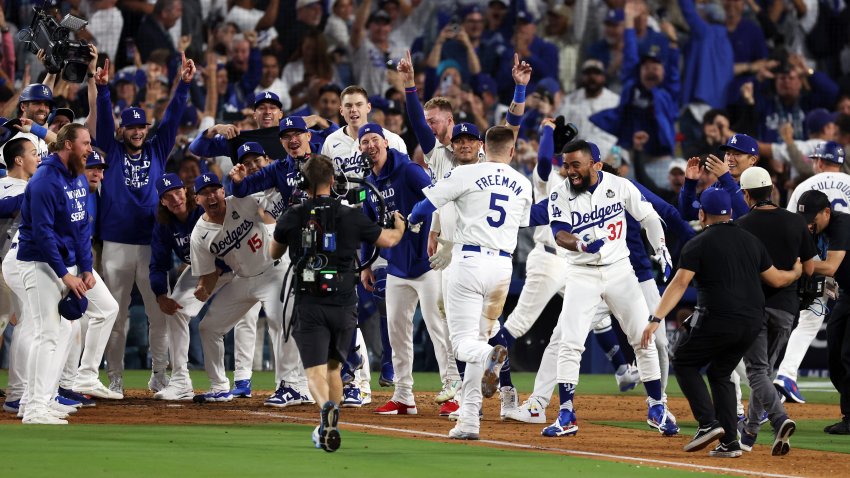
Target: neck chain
[[765, 202]]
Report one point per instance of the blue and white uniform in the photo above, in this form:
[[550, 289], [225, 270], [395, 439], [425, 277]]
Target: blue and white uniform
[[128, 202], [409, 275], [54, 242]]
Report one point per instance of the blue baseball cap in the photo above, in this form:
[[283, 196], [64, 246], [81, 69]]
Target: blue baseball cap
[[125, 77], [250, 147], [267, 97], [818, 118], [615, 16], [485, 84], [206, 179], [167, 182], [465, 129], [469, 10], [829, 151], [742, 144], [66, 112], [715, 201], [72, 307], [95, 160], [133, 116], [379, 102], [652, 51], [595, 155], [296, 123], [370, 128]]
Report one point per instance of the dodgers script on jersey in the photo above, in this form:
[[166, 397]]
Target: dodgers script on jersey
[[10, 187], [441, 160], [241, 242], [542, 190], [271, 201], [836, 186], [492, 201], [597, 215], [345, 150]]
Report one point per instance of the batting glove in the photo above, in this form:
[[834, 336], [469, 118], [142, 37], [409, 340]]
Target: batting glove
[[414, 227], [662, 257], [593, 247], [443, 257]]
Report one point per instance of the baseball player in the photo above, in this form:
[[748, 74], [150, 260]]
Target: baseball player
[[35, 103], [54, 247], [23, 159], [128, 202], [234, 231], [409, 275], [493, 201], [828, 159], [587, 217]]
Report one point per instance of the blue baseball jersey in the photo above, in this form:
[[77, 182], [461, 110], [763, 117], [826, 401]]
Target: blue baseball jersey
[[128, 197], [282, 175], [54, 223], [168, 238], [401, 182]]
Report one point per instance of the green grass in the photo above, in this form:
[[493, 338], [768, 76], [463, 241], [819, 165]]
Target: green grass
[[185, 451], [809, 434]]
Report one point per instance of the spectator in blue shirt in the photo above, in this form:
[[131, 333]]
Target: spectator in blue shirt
[[540, 54], [748, 46]]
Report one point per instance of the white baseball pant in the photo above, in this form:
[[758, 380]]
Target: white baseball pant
[[801, 338], [248, 337], [452, 373], [362, 375], [100, 317], [545, 276], [586, 288], [178, 324], [402, 295], [6, 306], [233, 302], [24, 332], [44, 290], [478, 285], [123, 265]]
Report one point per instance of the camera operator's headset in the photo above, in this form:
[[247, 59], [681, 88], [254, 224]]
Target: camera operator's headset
[[354, 191]]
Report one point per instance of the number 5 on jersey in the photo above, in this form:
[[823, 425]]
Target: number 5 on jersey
[[500, 210]]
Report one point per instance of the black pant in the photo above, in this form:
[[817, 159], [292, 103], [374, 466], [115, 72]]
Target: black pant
[[760, 360], [719, 343], [838, 349], [323, 332]]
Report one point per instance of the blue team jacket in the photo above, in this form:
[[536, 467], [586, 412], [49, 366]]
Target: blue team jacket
[[54, 223], [218, 145], [167, 238], [689, 206], [282, 175], [128, 198], [709, 60], [401, 182]]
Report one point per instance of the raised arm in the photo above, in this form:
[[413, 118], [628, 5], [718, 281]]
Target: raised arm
[[415, 113], [167, 131], [359, 25], [521, 73], [91, 85]]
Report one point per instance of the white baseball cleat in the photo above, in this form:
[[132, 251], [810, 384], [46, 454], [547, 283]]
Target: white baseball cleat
[[157, 382], [450, 389], [531, 411], [175, 393], [67, 410], [43, 419], [627, 378], [509, 399], [459, 434], [97, 389]]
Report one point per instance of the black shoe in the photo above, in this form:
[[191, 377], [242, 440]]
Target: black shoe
[[329, 438], [704, 436], [727, 450], [783, 433], [840, 428]]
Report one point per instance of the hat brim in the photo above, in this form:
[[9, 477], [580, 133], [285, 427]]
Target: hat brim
[[593, 69], [301, 130], [726, 147], [269, 100], [461, 135], [171, 188], [208, 185], [809, 216], [250, 153], [134, 123], [97, 165]]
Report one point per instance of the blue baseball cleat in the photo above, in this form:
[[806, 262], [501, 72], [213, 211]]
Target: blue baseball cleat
[[659, 419], [788, 388], [241, 389], [566, 424]]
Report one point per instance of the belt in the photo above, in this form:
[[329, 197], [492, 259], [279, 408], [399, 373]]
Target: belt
[[469, 248], [550, 250], [276, 263]]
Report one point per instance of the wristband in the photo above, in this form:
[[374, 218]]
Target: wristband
[[38, 130], [519, 94], [410, 89], [654, 319], [513, 119]]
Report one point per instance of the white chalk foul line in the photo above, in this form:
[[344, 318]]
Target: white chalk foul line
[[542, 448]]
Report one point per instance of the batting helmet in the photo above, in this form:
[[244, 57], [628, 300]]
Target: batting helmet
[[36, 92], [829, 151]]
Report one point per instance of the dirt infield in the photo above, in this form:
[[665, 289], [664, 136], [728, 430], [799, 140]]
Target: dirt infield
[[600, 441]]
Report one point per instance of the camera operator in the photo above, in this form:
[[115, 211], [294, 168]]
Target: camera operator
[[832, 232], [727, 320], [323, 231], [786, 237]]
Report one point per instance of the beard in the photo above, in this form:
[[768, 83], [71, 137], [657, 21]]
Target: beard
[[582, 186]]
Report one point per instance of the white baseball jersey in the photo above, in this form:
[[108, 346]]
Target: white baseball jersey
[[40, 145], [542, 190], [241, 242], [271, 201], [10, 187], [597, 215], [345, 150], [492, 201], [441, 160], [836, 186]]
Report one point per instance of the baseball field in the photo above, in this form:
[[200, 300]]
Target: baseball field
[[143, 437]]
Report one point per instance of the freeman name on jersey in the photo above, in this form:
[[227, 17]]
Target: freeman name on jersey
[[498, 180]]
